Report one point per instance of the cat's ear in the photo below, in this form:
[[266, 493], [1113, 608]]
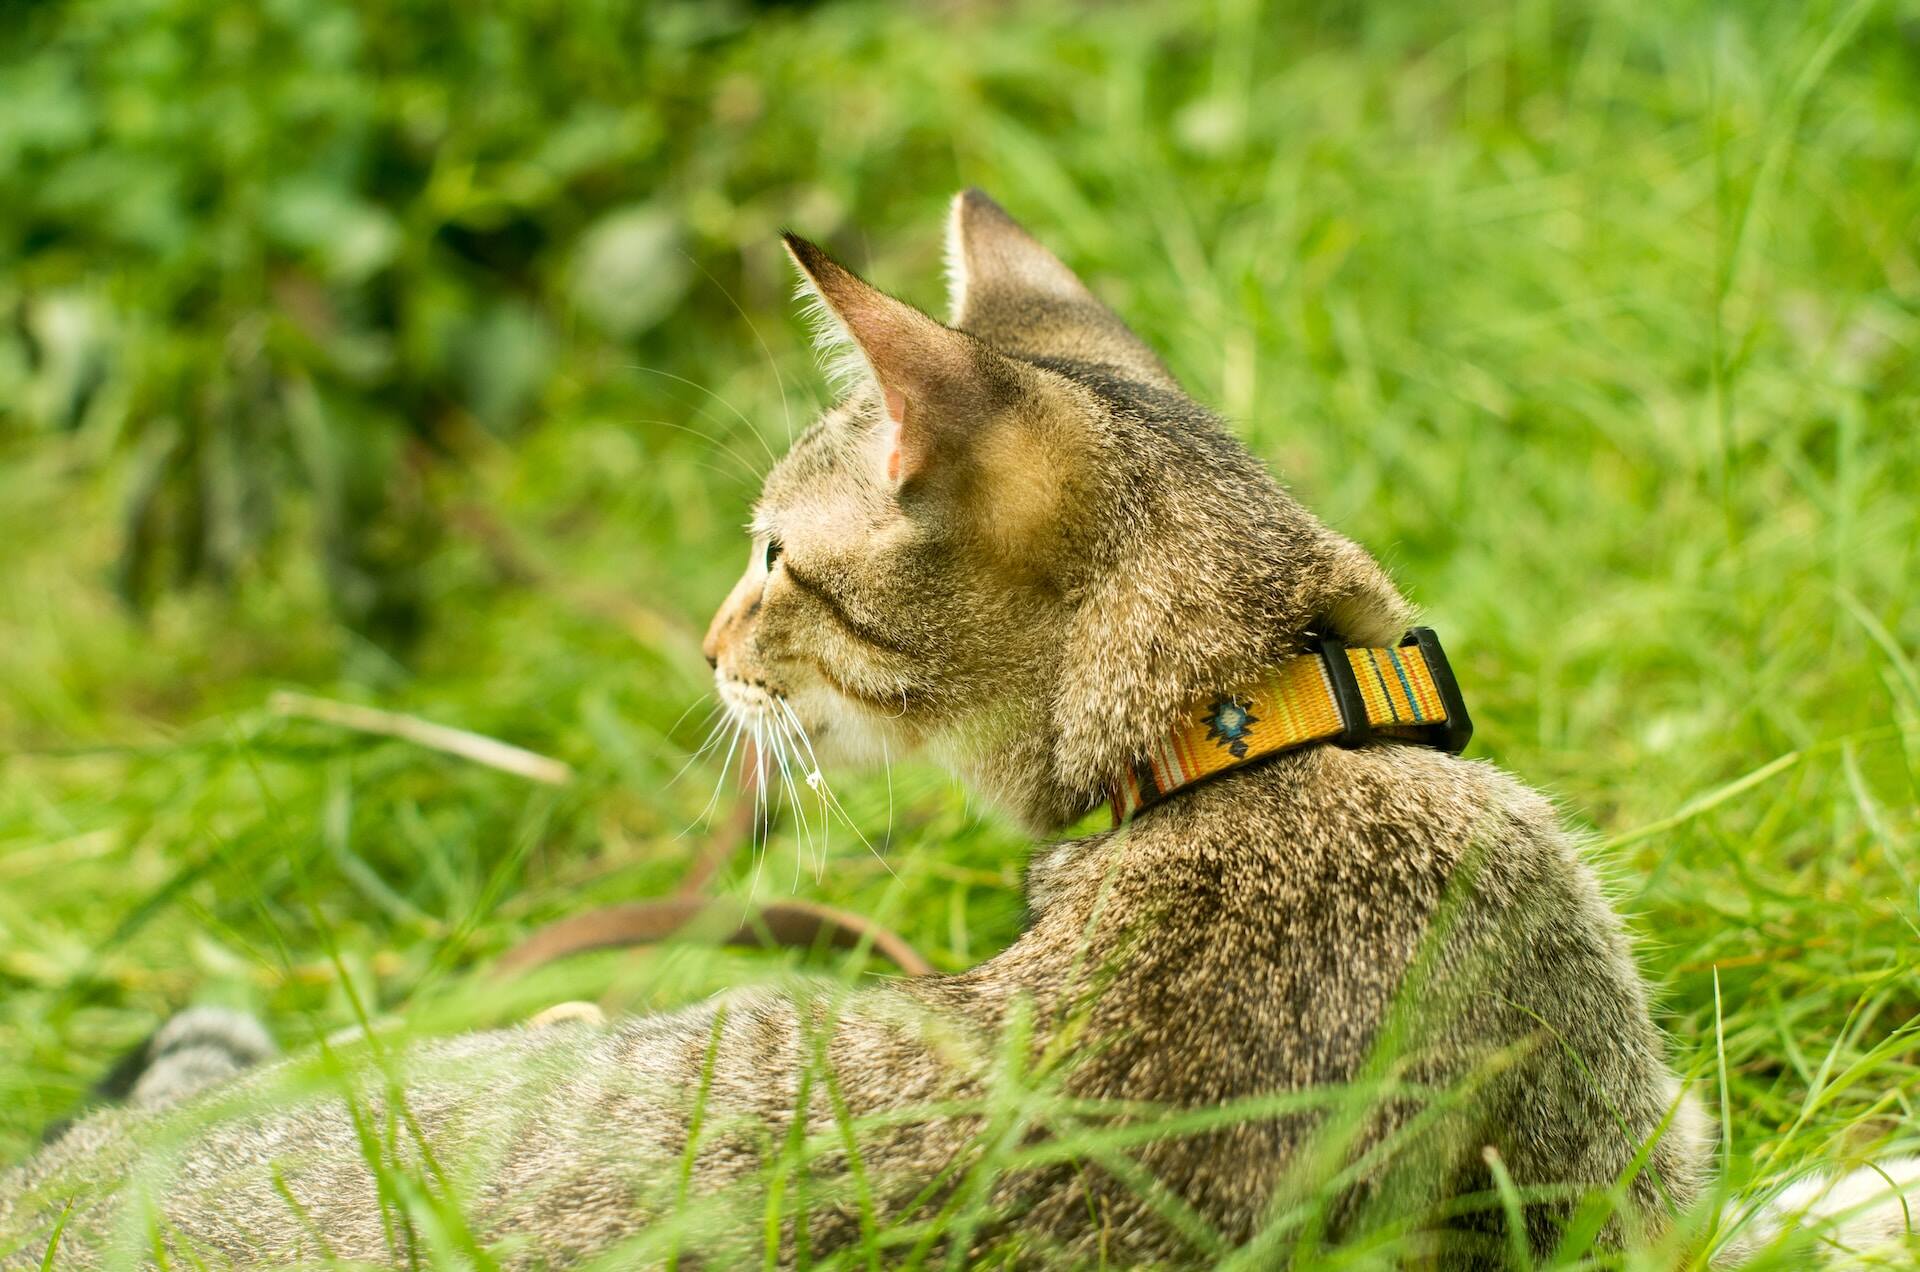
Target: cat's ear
[[994, 266], [1004, 287], [934, 382]]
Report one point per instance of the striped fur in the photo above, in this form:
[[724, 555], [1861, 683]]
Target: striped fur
[[1067, 553]]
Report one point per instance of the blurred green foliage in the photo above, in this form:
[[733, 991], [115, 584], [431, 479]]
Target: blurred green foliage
[[467, 325], [323, 247], [316, 247]]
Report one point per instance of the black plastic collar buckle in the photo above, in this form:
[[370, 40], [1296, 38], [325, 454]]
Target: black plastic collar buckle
[[1454, 733], [1450, 735], [1356, 728]]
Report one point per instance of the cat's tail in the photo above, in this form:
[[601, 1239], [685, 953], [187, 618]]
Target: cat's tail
[[194, 1049], [1866, 1217]]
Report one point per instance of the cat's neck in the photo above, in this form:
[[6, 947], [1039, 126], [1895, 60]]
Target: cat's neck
[[1195, 605], [1007, 762], [1187, 604]]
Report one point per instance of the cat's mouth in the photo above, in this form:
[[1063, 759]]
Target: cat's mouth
[[750, 700], [780, 747]]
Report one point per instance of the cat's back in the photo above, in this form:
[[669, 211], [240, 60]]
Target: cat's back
[[1384, 827], [251, 1170], [1268, 919]]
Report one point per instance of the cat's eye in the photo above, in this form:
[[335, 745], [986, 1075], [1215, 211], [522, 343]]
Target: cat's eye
[[772, 552]]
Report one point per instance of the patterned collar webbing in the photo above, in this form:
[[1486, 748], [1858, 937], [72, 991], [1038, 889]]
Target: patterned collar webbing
[[1407, 692]]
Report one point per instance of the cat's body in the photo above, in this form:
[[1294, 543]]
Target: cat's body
[[1268, 920], [1019, 548]]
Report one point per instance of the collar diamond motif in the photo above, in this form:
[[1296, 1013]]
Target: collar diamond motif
[[1228, 721]]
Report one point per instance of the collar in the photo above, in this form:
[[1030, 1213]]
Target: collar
[[1331, 694]]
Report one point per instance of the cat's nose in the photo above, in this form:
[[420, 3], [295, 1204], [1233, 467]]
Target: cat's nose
[[727, 619]]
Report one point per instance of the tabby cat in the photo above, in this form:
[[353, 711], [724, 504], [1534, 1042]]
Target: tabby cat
[[1015, 545]]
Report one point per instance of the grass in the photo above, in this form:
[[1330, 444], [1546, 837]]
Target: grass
[[1601, 325]]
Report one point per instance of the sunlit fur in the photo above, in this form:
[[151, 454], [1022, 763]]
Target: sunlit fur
[[1025, 576], [1090, 551]]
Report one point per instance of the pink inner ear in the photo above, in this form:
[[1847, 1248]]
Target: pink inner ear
[[897, 418]]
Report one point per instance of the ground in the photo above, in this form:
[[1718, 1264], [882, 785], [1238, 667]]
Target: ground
[[1600, 325]]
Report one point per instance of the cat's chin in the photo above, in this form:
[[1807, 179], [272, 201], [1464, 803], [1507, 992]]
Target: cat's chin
[[846, 734], [819, 727]]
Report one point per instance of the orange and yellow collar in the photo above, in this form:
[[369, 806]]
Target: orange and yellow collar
[[1332, 694]]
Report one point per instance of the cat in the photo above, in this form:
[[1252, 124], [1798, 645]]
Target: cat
[[1017, 546]]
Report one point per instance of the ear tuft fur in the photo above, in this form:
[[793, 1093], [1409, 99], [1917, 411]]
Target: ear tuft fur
[[843, 364], [936, 386], [955, 259], [1010, 291]]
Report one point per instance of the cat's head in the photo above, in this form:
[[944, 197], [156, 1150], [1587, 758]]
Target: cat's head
[[1015, 542]]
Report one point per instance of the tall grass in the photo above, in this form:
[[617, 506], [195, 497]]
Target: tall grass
[[1600, 323]]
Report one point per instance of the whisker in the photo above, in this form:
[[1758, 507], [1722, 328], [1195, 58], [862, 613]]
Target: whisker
[[785, 413], [816, 851], [726, 765], [721, 432], [800, 812], [751, 487], [886, 758], [763, 807], [795, 736], [681, 718], [771, 457], [712, 738], [752, 477], [818, 780], [757, 848]]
